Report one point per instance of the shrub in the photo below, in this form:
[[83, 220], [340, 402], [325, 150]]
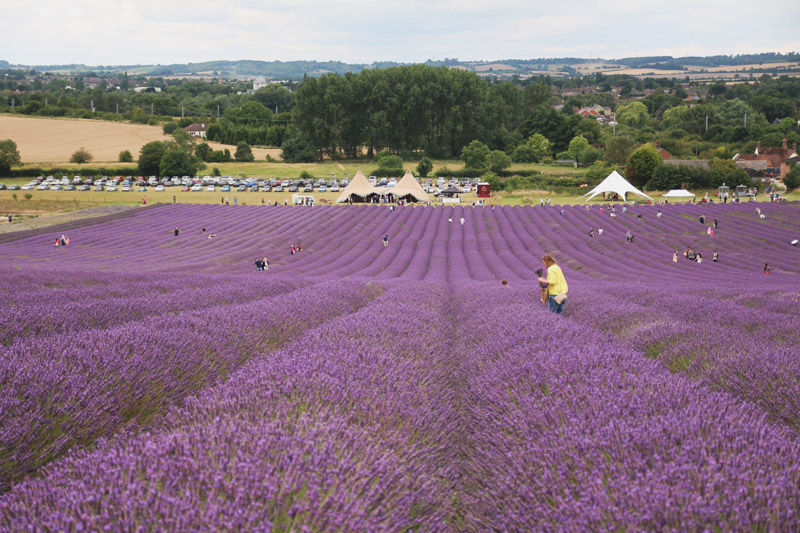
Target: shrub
[[81, 156], [125, 156], [792, 179]]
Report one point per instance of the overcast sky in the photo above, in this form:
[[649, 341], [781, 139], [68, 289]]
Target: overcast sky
[[125, 32]]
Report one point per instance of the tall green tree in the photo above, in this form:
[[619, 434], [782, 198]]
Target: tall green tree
[[475, 156], [243, 152], [424, 167], [177, 162], [643, 163], [633, 114], [498, 160], [619, 148], [9, 156], [150, 158]]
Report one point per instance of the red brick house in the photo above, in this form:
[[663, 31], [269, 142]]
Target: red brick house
[[777, 159]]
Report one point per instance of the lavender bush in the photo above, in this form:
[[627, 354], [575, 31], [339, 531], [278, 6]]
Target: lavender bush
[[149, 381]]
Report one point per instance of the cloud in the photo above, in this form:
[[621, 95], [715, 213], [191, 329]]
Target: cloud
[[177, 31]]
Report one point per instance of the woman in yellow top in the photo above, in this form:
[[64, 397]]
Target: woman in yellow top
[[557, 285]]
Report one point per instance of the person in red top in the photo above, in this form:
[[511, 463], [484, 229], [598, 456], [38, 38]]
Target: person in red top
[[292, 250]]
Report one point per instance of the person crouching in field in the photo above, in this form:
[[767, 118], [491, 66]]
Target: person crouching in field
[[557, 285]]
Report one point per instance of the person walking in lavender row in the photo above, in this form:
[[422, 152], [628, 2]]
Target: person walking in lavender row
[[259, 264], [675, 256], [462, 221], [766, 268], [715, 256], [629, 236], [265, 263], [385, 241], [556, 284], [591, 233], [176, 231]]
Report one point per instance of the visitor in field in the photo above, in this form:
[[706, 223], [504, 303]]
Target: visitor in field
[[259, 264], [599, 231], [504, 283], [675, 256], [298, 248], [385, 241], [450, 219], [57, 243], [766, 268], [716, 224], [591, 233], [462, 221], [291, 250], [629, 236], [698, 258], [212, 235], [556, 284], [63, 240], [702, 219], [794, 243], [176, 231], [710, 231], [66, 240], [715, 256], [174, 199], [10, 219], [265, 263]]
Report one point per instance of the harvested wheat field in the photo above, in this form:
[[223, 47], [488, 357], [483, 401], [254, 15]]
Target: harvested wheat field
[[49, 140]]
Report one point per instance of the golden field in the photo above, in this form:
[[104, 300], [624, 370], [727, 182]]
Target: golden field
[[54, 140]]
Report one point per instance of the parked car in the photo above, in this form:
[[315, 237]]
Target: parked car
[[241, 188], [84, 188], [126, 188], [293, 188], [69, 187], [27, 187], [142, 189], [226, 188], [13, 187], [41, 187], [335, 188], [160, 188], [308, 188], [278, 188], [111, 188], [55, 188], [98, 188], [197, 187], [2, 186], [211, 188]]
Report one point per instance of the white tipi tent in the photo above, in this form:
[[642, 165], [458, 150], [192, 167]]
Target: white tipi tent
[[409, 185], [617, 184], [360, 187]]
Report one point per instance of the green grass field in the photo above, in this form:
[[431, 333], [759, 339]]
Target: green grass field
[[320, 169]]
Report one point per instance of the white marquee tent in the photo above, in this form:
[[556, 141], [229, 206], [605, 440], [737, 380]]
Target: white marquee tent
[[617, 184], [678, 193]]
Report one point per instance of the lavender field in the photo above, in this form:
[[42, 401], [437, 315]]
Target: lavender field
[[158, 382]]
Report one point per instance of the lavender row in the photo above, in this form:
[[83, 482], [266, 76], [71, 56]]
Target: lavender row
[[445, 407], [60, 391]]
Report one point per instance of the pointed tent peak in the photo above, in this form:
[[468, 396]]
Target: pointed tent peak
[[615, 183], [407, 179], [360, 186], [409, 185]]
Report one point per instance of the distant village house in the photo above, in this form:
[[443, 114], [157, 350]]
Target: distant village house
[[196, 130]]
